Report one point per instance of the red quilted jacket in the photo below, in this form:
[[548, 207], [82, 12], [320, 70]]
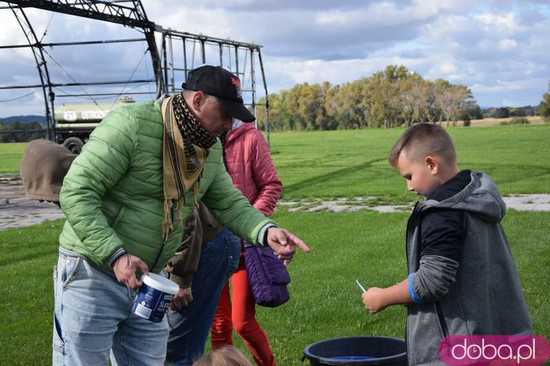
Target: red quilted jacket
[[249, 164]]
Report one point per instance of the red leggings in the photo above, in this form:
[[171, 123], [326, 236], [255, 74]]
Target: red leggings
[[239, 311]]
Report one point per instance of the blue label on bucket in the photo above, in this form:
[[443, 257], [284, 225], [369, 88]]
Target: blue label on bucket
[[151, 303]]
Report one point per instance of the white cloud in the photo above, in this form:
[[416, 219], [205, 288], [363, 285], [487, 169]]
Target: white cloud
[[447, 68], [499, 23], [497, 47], [507, 44], [284, 73], [500, 86]]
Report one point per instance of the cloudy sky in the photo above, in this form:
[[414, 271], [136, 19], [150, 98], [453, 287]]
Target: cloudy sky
[[498, 48]]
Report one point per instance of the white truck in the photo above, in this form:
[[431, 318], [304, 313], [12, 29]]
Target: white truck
[[75, 122]]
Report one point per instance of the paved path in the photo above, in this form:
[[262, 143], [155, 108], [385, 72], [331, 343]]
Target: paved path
[[18, 211], [520, 202]]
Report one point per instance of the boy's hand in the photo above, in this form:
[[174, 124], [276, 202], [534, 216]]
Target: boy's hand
[[374, 300]]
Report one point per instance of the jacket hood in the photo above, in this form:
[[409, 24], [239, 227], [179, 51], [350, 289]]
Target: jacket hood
[[480, 197], [237, 132]]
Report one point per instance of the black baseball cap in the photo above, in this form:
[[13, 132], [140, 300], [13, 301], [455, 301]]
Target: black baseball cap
[[222, 84]]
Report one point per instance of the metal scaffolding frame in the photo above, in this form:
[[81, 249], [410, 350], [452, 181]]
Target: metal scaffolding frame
[[168, 66], [41, 65], [223, 50]]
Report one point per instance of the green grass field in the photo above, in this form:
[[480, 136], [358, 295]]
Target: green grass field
[[325, 302], [365, 245], [10, 157], [354, 162]]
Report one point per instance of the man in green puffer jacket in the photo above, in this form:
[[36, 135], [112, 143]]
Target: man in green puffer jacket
[[125, 198]]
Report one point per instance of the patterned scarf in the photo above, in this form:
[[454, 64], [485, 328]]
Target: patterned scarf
[[190, 128], [184, 152]]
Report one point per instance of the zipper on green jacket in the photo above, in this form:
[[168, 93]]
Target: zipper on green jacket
[[173, 217]]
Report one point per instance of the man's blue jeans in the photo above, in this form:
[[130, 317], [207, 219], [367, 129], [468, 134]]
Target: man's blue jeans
[[190, 326], [93, 320]]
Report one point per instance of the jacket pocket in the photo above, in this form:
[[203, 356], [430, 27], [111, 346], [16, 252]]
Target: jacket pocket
[[444, 330], [58, 344], [63, 274]]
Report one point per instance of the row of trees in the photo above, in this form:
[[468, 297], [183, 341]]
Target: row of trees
[[389, 98], [506, 112], [20, 131]]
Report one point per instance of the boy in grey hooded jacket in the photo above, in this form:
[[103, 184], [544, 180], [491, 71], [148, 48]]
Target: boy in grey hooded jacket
[[462, 278]]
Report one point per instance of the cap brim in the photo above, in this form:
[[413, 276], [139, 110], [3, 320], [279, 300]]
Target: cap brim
[[238, 111]]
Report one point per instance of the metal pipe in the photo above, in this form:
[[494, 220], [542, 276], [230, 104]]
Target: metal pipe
[[267, 124], [209, 39], [164, 61], [100, 94], [237, 61], [48, 96], [109, 12], [155, 60], [81, 43], [171, 64], [185, 57], [203, 51], [55, 85], [253, 83]]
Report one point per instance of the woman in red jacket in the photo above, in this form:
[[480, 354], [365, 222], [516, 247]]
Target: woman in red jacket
[[249, 164]]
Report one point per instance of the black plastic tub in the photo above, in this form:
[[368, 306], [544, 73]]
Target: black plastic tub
[[357, 351]]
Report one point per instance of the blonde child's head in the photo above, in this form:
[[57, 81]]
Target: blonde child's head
[[226, 356]]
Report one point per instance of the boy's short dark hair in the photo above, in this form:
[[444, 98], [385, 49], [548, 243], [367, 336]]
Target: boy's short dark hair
[[421, 140]]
